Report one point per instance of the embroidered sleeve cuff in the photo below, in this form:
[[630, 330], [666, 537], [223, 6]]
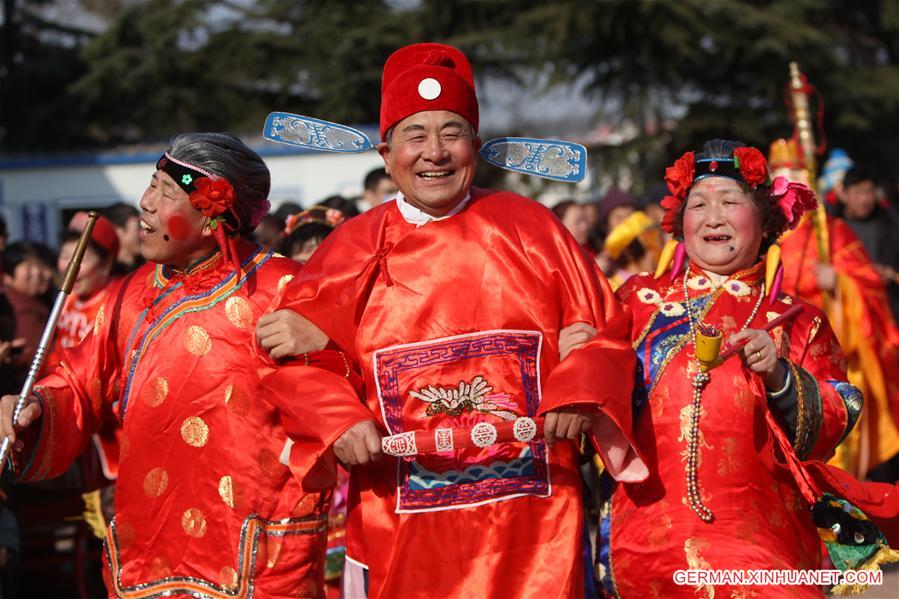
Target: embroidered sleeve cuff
[[810, 410]]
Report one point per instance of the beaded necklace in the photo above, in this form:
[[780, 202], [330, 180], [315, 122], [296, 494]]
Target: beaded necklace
[[700, 380]]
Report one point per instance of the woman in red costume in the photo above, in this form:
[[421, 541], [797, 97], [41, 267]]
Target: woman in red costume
[[207, 502], [719, 496]]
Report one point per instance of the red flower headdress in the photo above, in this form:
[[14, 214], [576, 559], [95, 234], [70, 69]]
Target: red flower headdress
[[213, 197], [747, 166]]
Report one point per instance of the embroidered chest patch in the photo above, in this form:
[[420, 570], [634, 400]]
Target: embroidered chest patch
[[458, 382]]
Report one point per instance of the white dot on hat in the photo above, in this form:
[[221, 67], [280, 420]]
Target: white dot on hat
[[429, 88]]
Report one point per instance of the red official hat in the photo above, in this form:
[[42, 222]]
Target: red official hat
[[427, 77], [103, 235]]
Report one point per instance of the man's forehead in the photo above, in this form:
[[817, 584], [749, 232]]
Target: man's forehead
[[432, 118]]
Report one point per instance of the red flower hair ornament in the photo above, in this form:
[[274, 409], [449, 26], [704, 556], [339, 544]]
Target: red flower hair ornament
[[793, 199], [749, 165], [212, 197], [752, 165]]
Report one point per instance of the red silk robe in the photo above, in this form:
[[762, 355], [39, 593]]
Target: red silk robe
[[75, 322], [865, 329], [205, 505], [648, 530], [457, 322]]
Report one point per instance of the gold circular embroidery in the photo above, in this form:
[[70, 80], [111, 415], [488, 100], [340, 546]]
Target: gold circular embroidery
[[283, 281], [124, 446], [194, 522], [160, 568], [237, 400], [194, 431], [101, 317], [226, 490], [269, 464], [125, 534], [156, 392], [155, 482], [239, 312], [228, 578], [197, 341]]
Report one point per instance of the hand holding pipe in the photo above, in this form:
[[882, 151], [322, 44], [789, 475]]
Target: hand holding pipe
[[710, 361], [68, 281]]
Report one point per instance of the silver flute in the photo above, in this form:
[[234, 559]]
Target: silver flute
[[68, 281]]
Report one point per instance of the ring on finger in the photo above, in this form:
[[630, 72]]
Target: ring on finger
[[758, 356]]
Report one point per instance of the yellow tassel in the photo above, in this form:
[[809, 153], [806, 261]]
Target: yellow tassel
[[666, 257], [884, 555], [93, 513], [626, 232], [772, 261]]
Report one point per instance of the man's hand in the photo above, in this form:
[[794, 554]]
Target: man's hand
[[567, 423], [284, 333], [29, 413], [827, 277], [573, 337], [360, 445]]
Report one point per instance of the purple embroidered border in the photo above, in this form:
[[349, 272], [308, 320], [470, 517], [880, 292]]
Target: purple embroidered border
[[522, 345]]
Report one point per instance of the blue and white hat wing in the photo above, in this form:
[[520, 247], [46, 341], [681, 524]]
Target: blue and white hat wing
[[314, 134], [547, 158]]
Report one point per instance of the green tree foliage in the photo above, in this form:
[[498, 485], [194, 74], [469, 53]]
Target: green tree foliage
[[672, 72]]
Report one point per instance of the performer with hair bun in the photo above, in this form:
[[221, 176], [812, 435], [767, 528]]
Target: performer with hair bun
[[209, 502]]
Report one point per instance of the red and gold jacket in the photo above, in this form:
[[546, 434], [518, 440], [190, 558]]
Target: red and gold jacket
[[647, 530], [205, 503]]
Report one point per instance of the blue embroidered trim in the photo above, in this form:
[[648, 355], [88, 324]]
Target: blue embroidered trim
[[666, 334]]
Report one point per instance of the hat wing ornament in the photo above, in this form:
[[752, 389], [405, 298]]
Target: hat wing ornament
[[314, 134], [548, 158]]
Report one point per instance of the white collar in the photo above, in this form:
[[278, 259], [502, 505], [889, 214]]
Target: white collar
[[418, 217]]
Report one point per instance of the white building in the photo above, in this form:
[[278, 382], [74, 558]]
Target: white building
[[39, 193]]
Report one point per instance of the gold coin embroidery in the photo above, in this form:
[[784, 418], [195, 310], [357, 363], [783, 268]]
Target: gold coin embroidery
[[155, 482], [197, 341], [239, 312], [194, 431], [194, 522], [156, 392]]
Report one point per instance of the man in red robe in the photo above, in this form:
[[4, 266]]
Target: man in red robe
[[450, 300], [206, 505]]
